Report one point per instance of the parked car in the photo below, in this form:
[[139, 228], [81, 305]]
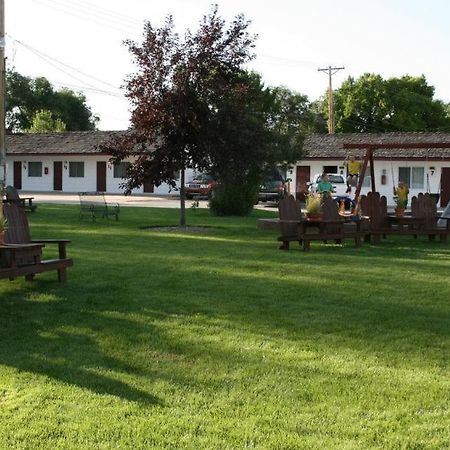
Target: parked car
[[201, 186], [340, 188], [272, 188], [336, 179]]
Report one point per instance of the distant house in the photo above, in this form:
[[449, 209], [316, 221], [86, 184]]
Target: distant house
[[71, 162], [423, 170], [66, 162]]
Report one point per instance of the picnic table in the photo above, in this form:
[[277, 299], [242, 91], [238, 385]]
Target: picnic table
[[24, 202], [406, 222]]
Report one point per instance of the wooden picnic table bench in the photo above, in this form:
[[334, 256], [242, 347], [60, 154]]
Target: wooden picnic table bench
[[422, 220], [330, 227], [95, 205], [13, 197]]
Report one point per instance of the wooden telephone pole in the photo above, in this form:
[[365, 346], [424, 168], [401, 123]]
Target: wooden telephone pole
[[331, 71], [2, 100]]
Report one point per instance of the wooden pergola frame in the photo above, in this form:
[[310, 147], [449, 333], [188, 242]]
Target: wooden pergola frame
[[370, 148]]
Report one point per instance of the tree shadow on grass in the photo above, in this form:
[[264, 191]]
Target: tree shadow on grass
[[49, 338], [336, 298]]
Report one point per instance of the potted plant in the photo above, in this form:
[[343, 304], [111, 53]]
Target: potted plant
[[314, 205], [400, 206]]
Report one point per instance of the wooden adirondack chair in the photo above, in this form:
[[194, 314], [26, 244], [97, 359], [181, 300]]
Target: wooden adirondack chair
[[291, 221], [21, 255], [424, 206], [12, 196], [374, 206], [295, 227]]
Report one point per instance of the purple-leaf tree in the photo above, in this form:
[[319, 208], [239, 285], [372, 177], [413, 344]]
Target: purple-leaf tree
[[173, 98]]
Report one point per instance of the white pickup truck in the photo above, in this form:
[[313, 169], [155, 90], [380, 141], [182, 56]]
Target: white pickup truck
[[336, 179]]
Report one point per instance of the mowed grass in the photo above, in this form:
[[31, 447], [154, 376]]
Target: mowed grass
[[218, 340]]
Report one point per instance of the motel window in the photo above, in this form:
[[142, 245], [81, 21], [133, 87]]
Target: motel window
[[330, 169], [35, 169], [417, 177], [413, 177], [120, 169], [76, 169]]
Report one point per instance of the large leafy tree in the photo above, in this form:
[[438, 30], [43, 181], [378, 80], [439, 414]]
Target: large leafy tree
[[373, 104], [183, 97], [258, 131], [27, 96], [43, 122]]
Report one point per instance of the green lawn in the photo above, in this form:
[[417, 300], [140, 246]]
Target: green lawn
[[221, 341]]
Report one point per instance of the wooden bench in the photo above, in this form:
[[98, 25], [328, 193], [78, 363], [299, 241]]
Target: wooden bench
[[330, 227], [422, 221], [12, 196], [95, 205], [22, 256]]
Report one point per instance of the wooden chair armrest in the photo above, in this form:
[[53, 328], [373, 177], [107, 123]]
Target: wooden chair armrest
[[51, 241], [331, 221], [14, 247], [61, 245], [291, 221]]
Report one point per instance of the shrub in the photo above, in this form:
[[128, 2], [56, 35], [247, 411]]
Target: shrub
[[233, 200]]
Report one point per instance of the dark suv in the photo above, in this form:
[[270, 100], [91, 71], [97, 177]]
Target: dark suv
[[272, 188]]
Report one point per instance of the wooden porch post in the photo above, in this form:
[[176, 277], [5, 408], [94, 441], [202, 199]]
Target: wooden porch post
[[372, 171], [362, 174]]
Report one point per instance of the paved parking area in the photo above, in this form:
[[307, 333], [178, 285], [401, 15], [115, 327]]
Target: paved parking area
[[144, 201]]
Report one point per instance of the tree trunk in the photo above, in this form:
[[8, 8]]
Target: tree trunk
[[182, 200]]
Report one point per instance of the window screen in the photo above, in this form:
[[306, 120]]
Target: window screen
[[417, 177], [120, 169], [35, 169], [76, 169]]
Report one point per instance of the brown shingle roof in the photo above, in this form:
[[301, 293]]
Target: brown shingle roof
[[331, 145], [70, 142], [316, 145]]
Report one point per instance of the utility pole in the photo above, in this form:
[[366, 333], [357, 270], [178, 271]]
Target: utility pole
[[2, 101], [331, 71]]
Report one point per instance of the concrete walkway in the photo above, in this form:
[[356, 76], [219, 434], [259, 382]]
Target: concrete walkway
[[144, 201]]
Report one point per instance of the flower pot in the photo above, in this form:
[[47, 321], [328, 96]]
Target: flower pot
[[314, 216], [2, 237], [399, 212]]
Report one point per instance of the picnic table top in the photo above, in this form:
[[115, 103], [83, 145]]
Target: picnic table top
[[274, 223]]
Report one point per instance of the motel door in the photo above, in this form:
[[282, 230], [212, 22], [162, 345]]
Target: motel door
[[17, 174], [101, 176], [57, 175], [301, 184], [445, 186], [148, 187]]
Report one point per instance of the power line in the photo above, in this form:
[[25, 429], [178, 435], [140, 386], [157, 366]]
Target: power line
[[113, 15], [40, 53], [54, 63], [86, 16], [87, 88], [270, 59]]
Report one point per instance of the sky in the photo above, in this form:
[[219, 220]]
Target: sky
[[79, 43]]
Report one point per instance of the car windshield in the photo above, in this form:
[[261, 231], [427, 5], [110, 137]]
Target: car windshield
[[333, 179], [202, 178]]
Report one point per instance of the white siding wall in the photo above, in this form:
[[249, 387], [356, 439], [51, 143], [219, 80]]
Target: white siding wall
[[380, 166], [73, 184]]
